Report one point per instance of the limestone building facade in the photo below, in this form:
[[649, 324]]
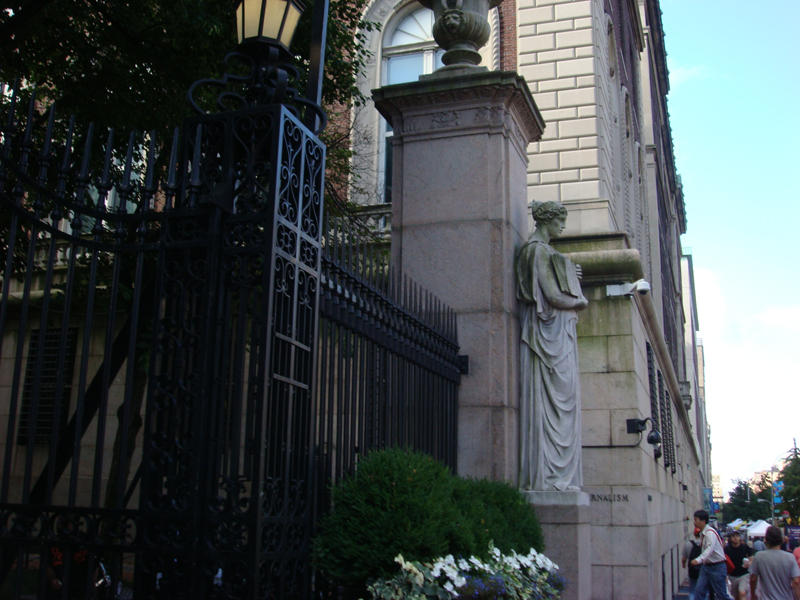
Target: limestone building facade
[[597, 70]]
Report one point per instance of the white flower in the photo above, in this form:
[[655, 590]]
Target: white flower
[[511, 561], [522, 575], [450, 572]]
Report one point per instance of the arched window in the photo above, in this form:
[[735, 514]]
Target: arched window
[[400, 51], [409, 49], [612, 50], [408, 52]]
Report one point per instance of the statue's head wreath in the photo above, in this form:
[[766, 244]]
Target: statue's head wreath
[[545, 211]]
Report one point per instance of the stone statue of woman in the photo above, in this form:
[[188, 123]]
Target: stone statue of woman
[[549, 290]]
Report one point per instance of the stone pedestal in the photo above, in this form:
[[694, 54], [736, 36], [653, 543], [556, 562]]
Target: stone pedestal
[[459, 212], [565, 520]]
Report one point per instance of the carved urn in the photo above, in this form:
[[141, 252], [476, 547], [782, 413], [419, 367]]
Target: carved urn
[[461, 28]]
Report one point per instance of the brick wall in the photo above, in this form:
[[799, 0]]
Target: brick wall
[[508, 35]]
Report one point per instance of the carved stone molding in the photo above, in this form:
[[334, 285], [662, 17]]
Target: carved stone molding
[[466, 102]]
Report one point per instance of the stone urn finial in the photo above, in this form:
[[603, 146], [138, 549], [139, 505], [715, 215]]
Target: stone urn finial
[[461, 28]]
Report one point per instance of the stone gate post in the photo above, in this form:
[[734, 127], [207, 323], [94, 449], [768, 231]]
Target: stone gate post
[[459, 212]]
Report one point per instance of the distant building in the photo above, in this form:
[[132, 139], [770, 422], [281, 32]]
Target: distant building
[[716, 488], [767, 475]]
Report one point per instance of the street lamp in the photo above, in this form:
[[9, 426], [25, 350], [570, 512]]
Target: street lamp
[[269, 23], [265, 30], [261, 169]]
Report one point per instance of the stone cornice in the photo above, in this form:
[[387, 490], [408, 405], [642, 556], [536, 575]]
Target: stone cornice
[[461, 100]]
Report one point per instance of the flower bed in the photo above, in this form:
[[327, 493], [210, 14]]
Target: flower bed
[[512, 576]]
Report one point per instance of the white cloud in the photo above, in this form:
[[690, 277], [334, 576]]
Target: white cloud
[[679, 74], [752, 397], [787, 317]]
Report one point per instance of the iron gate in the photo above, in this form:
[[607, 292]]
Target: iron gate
[[174, 416]]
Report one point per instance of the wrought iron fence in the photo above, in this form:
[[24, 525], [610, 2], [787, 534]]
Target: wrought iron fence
[[174, 411], [388, 367]]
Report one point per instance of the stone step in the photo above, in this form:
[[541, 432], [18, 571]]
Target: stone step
[[683, 593]]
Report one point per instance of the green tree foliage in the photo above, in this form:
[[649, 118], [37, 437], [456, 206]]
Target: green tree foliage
[[790, 476], [129, 63], [406, 503], [743, 502], [119, 64]]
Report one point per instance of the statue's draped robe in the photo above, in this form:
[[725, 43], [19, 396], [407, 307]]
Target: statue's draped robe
[[550, 407]]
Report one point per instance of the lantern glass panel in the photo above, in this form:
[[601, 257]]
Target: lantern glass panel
[[248, 16], [273, 17], [292, 18]]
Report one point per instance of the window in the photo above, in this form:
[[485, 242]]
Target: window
[[612, 50], [409, 52], [651, 376], [48, 379]]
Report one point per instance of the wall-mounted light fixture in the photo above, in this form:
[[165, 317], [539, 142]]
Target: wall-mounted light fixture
[[638, 426], [653, 438], [628, 289]]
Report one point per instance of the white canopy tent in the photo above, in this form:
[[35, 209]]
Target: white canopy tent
[[757, 529], [736, 524]]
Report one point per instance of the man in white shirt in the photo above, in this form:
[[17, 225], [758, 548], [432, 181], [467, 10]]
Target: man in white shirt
[[713, 571]]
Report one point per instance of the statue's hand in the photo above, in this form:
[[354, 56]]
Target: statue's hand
[[579, 271], [581, 303]]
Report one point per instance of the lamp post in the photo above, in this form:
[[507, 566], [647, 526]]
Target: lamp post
[[265, 29], [771, 507], [250, 225]]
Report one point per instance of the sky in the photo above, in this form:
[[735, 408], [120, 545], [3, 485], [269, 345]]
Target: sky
[[734, 105]]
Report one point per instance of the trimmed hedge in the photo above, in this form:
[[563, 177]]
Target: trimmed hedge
[[404, 502]]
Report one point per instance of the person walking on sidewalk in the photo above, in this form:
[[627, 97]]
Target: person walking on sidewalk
[[774, 572], [713, 572], [739, 554], [691, 550]]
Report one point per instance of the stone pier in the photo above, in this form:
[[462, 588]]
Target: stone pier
[[459, 212]]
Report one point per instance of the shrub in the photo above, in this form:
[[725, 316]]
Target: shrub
[[497, 512], [403, 502], [398, 502]]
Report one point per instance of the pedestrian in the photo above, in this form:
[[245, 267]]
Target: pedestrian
[[759, 545], [775, 573], [739, 554], [796, 554], [785, 546], [691, 550], [713, 571]]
